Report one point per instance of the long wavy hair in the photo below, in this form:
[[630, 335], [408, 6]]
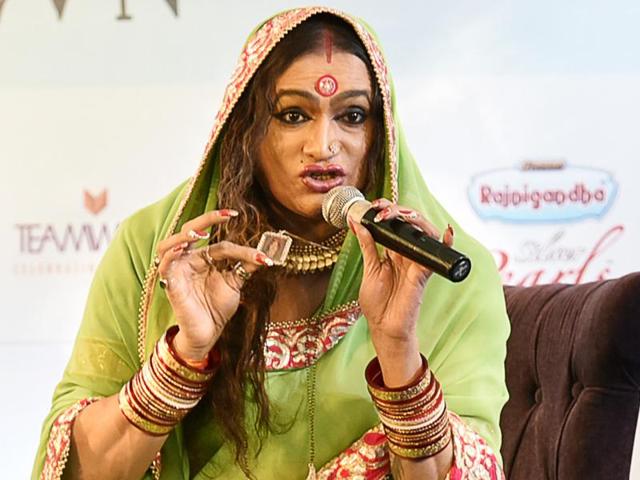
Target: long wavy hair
[[239, 382]]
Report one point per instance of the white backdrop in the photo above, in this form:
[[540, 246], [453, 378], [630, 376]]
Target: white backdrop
[[523, 117]]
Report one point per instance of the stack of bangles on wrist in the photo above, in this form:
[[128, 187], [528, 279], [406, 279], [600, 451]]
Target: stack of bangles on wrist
[[414, 417], [166, 388]]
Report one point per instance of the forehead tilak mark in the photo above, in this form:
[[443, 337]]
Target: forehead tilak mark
[[327, 85], [328, 45]]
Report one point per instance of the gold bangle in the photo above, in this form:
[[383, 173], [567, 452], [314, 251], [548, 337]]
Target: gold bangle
[[377, 390], [429, 435], [169, 383], [158, 402], [417, 443], [188, 373], [139, 422], [140, 407], [175, 400], [426, 416], [421, 452], [427, 401], [417, 409], [163, 391]]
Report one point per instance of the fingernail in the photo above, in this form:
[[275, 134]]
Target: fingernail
[[381, 215], [450, 229], [262, 259], [198, 234], [226, 212]]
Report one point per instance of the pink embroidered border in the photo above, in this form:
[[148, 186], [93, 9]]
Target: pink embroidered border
[[60, 443], [473, 458], [368, 457], [60, 440], [300, 346]]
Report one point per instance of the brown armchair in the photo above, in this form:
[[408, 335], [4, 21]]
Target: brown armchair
[[573, 374]]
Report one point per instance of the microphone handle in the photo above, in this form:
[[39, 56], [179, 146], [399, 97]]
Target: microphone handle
[[410, 242]]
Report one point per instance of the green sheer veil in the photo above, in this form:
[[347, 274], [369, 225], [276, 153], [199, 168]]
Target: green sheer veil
[[462, 330]]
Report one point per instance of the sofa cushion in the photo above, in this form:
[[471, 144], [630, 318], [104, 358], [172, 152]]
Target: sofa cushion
[[573, 374]]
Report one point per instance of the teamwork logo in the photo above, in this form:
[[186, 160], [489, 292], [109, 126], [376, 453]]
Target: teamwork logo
[[542, 192], [65, 245]]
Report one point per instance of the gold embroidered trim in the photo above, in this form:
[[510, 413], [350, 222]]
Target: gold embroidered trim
[[59, 442], [300, 344], [368, 457], [319, 318], [473, 458]]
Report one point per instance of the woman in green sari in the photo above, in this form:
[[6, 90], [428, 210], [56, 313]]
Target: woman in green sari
[[264, 375]]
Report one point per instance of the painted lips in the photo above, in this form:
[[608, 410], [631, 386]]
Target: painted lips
[[321, 179]]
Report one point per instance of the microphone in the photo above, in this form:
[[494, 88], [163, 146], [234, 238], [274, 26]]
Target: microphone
[[401, 237]]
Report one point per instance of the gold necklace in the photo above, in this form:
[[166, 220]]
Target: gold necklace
[[309, 257]]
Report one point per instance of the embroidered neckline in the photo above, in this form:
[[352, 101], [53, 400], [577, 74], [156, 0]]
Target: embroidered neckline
[[299, 344], [317, 318]]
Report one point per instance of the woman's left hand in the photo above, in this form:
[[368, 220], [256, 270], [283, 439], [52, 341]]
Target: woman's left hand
[[392, 287]]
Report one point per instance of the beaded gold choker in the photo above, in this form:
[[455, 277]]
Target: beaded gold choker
[[309, 257]]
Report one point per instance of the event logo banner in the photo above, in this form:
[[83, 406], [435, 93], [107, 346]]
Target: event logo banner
[[546, 205], [67, 246], [559, 258], [542, 192]]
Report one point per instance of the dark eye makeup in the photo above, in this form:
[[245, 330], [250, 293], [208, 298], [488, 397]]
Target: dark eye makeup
[[291, 116], [353, 115]]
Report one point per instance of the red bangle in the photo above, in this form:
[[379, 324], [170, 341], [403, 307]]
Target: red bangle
[[396, 395], [206, 365], [165, 389], [414, 416]]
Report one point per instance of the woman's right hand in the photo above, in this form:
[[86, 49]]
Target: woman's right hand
[[203, 297]]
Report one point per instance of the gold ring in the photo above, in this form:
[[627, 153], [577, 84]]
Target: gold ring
[[207, 258], [241, 272]]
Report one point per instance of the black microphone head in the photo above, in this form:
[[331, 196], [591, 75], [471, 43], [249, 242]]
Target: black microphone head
[[336, 204]]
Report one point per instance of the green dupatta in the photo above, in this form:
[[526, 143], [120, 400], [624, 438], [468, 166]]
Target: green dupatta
[[463, 327]]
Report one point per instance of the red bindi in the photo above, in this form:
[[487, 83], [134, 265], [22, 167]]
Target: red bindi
[[327, 85]]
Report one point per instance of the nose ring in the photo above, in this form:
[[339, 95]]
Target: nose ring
[[334, 148]]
